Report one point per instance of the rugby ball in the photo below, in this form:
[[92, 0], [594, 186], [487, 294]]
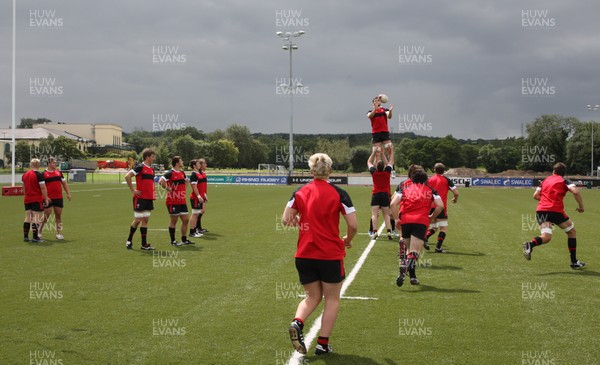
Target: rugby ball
[[383, 98]]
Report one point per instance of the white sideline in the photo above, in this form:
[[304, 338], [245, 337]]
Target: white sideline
[[312, 333]]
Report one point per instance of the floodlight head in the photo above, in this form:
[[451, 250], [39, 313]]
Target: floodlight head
[[300, 32], [299, 85], [279, 33], [294, 46], [285, 48]]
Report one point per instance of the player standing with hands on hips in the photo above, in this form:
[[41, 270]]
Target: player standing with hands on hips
[[380, 133], [315, 209]]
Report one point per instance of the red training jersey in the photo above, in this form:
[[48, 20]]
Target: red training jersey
[[144, 180], [176, 181], [320, 204], [379, 121], [381, 179], [199, 178], [31, 182], [442, 185], [553, 188], [54, 181], [416, 202]]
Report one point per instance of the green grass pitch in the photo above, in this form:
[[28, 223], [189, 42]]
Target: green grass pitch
[[229, 299]]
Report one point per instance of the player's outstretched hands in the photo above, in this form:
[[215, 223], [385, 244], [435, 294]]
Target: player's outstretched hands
[[391, 108]]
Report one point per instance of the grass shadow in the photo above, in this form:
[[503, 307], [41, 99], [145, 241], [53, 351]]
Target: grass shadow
[[40, 244], [341, 359], [442, 267], [580, 272], [431, 288], [210, 236], [476, 254]]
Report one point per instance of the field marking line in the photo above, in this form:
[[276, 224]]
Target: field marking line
[[312, 333]]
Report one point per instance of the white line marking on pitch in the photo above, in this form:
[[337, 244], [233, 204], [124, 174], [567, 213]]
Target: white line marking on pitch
[[312, 333], [344, 297]]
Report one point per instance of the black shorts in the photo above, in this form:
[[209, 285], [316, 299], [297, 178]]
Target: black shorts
[[36, 206], [553, 217], [414, 229], [443, 214], [59, 203], [327, 271], [380, 137], [177, 209], [141, 205], [195, 203], [380, 199]]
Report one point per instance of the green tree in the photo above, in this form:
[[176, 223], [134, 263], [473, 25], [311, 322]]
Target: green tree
[[448, 151], [359, 157], [223, 153], [186, 147], [22, 152], [140, 139], [578, 148], [338, 150], [546, 141], [470, 153], [251, 151], [65, 148]]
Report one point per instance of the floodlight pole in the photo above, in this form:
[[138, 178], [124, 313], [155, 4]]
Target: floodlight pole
[[288, 45], [592, 107], [14, 123]]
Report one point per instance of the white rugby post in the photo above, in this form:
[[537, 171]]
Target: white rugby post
[[289, 46], [14, 123], [592, 107]]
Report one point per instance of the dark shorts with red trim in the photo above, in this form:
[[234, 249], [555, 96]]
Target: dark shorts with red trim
[[443, 214], [59, 203], [380, 199], [195, 203], [380, 137], [177, 209], [327, 271], [140, 205], [552, 217], [35, 206], [414, 229]]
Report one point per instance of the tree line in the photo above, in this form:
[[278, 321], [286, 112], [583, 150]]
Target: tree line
[[550, 139]]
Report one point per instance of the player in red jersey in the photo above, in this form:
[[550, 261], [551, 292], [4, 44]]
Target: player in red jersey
[[55, 183], [315, 209], [415, 202], [35, 199], [380, 133], [198, 197], [143, 197], [442, 185], [202, 190], [381, 171], [175, 182], [551, 210]]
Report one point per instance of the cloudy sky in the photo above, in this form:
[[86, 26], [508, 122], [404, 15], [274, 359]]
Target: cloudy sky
[[470, 68]]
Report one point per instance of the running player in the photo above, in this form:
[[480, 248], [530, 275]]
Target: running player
[[143, 197], [175, 182], [550, 210], [35, 199], [415, 202], [55, 183], [442, 185], [380, 198], [379, 128], [315, 209]]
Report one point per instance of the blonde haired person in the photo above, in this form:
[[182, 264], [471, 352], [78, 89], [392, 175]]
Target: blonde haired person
[[315, 210], [35, 199]]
